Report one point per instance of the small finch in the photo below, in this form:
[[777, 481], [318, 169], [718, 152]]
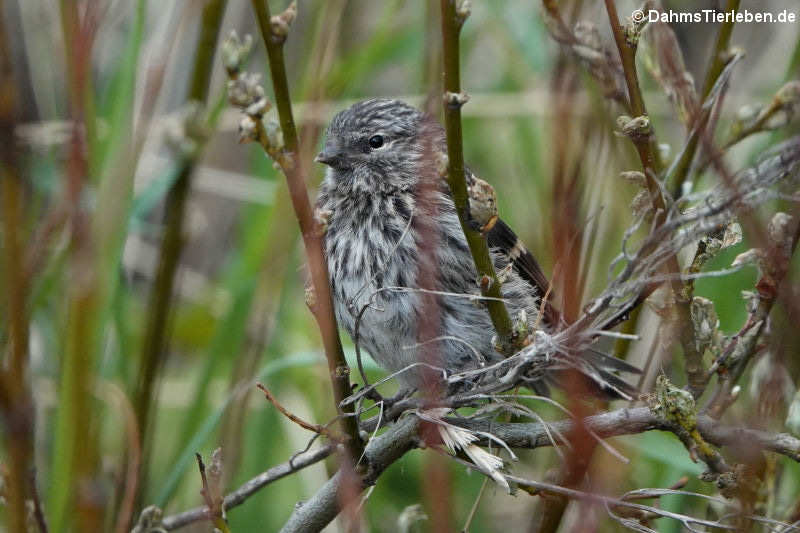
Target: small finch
[[392, 239]]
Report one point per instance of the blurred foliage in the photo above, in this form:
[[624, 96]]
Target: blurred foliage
[[238, 313]]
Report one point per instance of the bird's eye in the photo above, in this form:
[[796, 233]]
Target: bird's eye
[[376, 141]]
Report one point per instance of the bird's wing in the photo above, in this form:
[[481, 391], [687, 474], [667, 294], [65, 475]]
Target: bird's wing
[[501, 237]]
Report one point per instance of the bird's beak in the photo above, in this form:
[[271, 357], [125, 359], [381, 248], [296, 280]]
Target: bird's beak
[[326, 158]]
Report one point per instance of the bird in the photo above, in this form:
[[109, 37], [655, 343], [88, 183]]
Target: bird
[[392, 240]]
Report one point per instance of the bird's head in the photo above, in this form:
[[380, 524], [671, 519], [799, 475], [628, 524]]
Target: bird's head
[[377, 143]]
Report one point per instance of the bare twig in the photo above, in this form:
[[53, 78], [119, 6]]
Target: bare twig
[[251, 487], [211, 494], [632, 421], [274, 31], [316, 428], [38, 513], [315, 513]]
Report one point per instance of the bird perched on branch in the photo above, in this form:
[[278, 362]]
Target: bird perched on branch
[[403, 280]]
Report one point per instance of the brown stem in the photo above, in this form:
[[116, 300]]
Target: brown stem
[[456, 177], [309, 228], [16, 402], [647, 155], [316, 428]]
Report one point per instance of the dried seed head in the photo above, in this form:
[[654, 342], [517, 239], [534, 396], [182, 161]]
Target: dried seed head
[[641, 205], [634, 177], [245, 90], [636, 128], [248, 129], [279, 24], [150, 521], [789, 94], [455, 99], [258, 108], [780, 231], [705, 321], [187, 130], [753, 256], [463, 11], [235, 52]]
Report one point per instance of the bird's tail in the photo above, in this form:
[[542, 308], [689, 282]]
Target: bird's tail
[[600, 369]]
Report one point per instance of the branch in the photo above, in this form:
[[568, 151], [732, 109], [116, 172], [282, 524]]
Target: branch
[[240, 495], [631, 421], [317, 512], [322, 508], [316, 428], [453, 18], [215, 506], [274, 31]]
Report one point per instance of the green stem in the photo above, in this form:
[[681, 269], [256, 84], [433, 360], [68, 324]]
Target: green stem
[[155, 344], [718, 61], [456, 177], [296, 181]]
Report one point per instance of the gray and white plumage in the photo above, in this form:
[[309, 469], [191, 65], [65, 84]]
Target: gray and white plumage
[[390, 224]]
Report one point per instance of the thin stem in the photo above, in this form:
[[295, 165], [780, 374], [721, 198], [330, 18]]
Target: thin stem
[[155, 344], [16, 402], [718, 61], [251, 487], [644, 146], [456, 176], [294, 171]]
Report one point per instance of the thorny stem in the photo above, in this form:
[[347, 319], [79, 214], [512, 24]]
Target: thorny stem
[[456, 177], [309, 228], [154, 351]]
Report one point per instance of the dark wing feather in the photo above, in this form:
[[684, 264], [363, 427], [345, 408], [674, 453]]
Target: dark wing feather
[[503, 238]]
